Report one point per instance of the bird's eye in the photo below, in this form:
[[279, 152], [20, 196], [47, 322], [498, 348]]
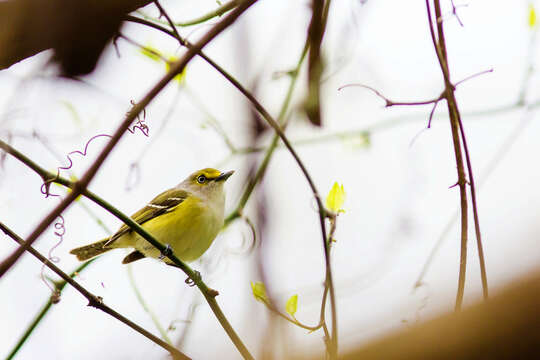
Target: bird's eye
[[201, 179]]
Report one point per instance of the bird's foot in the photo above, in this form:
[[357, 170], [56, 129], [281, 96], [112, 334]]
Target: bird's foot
[[192, 279], [165, 253]]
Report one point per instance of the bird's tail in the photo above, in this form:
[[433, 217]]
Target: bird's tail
[[89, 251]]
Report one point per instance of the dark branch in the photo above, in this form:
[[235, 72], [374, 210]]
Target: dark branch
[[93, 300]]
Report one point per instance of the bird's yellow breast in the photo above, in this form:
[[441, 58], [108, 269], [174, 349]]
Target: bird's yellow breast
[[189, 229]]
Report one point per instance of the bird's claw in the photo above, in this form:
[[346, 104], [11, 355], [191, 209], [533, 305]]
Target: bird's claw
[[165, 253], [196, 277]]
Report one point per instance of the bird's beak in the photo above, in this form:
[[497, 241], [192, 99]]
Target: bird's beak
[[224, 176]]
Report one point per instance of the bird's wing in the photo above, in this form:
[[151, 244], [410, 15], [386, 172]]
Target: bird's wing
[[165, 202]]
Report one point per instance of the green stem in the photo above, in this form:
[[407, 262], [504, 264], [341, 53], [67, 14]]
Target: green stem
[[59, 286], [272, 147], [207, 292], [145, 306], [93, 300], [199, 20], [175, 69]]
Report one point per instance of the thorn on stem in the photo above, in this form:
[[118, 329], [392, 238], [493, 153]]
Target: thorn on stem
[[55, 296], [460, 182], [95, 302], [115, 44], [196, 277], [166, 252]]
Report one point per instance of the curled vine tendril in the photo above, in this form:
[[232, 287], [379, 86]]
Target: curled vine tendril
[[60, 231], [141, 122], [45, 187], [59, 225]]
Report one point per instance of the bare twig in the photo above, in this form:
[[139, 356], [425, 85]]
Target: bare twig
[[199, 20], [279, 132], [175, 69], [454, 12], [59, 287], [315, 63], [440, 49], [80, 186], [169, 20], [458, 135], [93, 300], [389, 102], [208, 293], [434, 101], [473, 76]]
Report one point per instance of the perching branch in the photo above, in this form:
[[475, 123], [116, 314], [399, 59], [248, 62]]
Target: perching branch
[[93, 300], [203, 18], [434, 101], [277, 128], [208, 293], [458, 134], [59, 287], [81, 185], [315, 63], [503, 149]]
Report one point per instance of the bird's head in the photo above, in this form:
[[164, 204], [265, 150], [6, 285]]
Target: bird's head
[[206, 181]]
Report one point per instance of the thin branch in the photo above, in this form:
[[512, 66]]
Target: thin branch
[[389, 102], [277, 128], [211, 120], [59, 287], [454, 12], [145, 306], [81, 185], [315, 63], [473, 76], [434, 101], [502, 150], [212, 14], [93, 300], [199, 20], [144, 48], [175, 69], [452, 102], [458, 135], [438, 50], [208, 293], [261, 170], [481, 257], [169, 20], [322, 317]]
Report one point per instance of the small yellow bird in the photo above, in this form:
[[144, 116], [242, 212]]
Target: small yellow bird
[[187, 218]]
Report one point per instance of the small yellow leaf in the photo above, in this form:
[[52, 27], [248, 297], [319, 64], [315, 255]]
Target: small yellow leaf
[[292, 305], [532, 16], [180, 77], [336, 198], [150, 53], [259, 292]]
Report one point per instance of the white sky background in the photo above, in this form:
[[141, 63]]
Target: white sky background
[[398, 200]]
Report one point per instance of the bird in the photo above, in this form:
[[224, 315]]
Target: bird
[[186, 219]]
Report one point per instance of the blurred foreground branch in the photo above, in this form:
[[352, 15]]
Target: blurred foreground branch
[[209, 294], [93, 300], [78, 31], [506, 326]]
